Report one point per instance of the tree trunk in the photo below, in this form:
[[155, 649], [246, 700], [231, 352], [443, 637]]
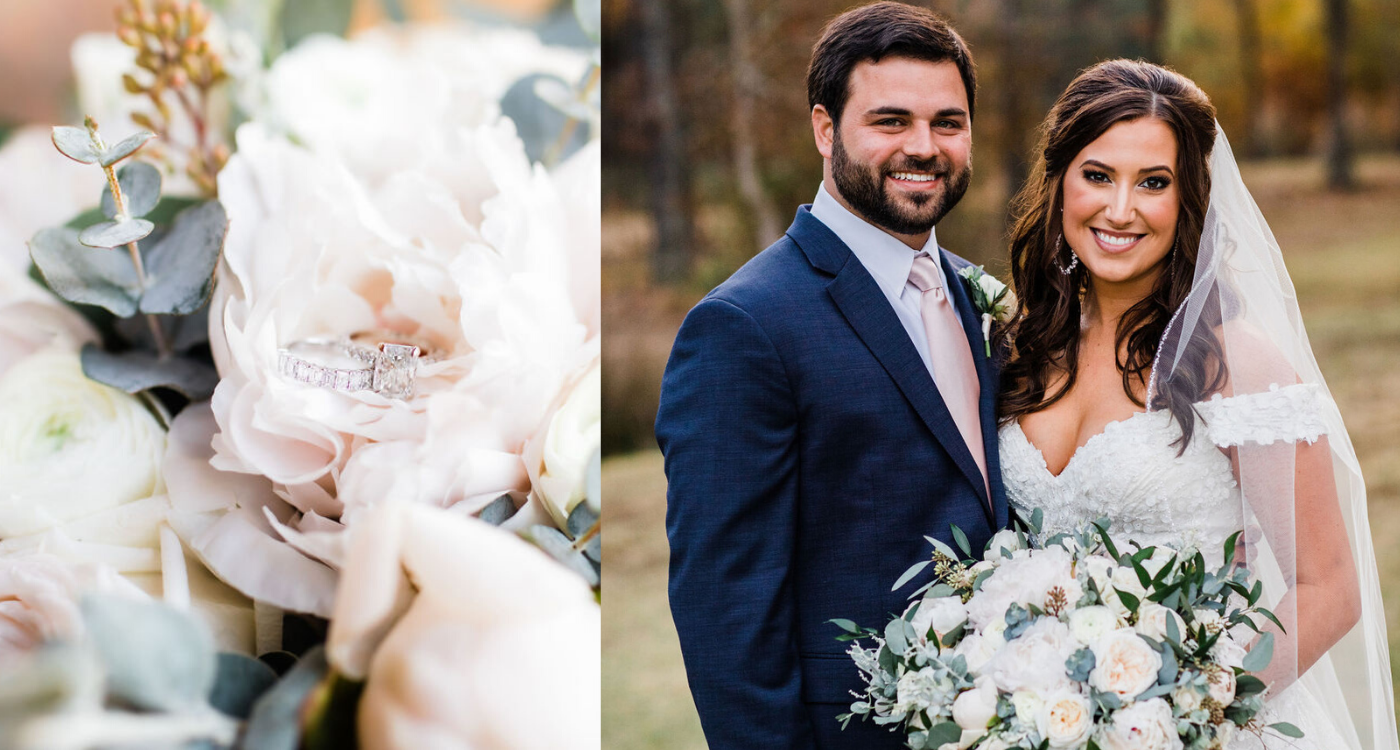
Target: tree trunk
[[667, 174], [747, 82], [1157, 30], [1251, 77], [1339, 172]]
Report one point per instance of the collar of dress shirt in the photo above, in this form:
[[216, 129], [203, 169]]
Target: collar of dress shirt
[[886, 258]]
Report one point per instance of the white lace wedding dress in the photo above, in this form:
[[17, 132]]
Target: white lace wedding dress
[[1132, 474]]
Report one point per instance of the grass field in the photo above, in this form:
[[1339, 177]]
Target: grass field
[[1343, 252]]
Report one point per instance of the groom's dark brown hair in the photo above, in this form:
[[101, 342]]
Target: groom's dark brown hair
[[874, 32]]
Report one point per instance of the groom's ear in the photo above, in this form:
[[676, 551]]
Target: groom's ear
[[823, 130]]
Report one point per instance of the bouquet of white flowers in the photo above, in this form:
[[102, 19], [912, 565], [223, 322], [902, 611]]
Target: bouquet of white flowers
[[1068, 641]]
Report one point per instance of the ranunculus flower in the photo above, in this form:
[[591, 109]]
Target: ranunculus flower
[[972, 709], [1035, 660], [559, 455], [1066, 720], [40, 595], [69, 446], [1152, 621], [464, 634], [1089, 624], [1124, 664], [1145, 725]]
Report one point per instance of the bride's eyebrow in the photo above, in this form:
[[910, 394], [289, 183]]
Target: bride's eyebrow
[[1106, 168]]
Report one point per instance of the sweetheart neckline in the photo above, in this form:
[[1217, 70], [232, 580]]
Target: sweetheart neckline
[[1045, 465]]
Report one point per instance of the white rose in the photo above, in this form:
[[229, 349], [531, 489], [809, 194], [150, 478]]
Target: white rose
[[976, 650], [990, 286], [40, 595], [981, 567], [1126, 579], [1158, 560], [558, 457], [1035, 660], [70, 447], [1124, 664], [1027, 704], [1099, 569], [1213, 621], [1152, 621], [942, 614], [1222, 685], [1228, 652], [1089, 624], [972, 709], [437, 611], [1025, 581], [1066, 720], [1186, 698], [1145, 725], [1006, 539]]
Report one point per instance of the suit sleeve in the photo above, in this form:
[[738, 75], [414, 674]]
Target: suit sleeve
[[727, 425]]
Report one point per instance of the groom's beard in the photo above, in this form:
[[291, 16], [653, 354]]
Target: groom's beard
[[863, 187]]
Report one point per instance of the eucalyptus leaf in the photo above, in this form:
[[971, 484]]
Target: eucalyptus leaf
[[561, 96], [961, 540], [590, 18], [87, 276], [180, 268], [136, 371], [561, 548], [894, 636], [76, 144], [909, 574], [498, 511], [275, 723], [539, 123], [116, 233], [580, 520], [944, 733], [240, 681], [1286, 729], [1260, 655], [140, 184], [125, 147], [846, 625], [156, 657], [303, 18]]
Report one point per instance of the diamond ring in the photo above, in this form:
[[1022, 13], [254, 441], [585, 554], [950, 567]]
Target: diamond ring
[[342, 364]]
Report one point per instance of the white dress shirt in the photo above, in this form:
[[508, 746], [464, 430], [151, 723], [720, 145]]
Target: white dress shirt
[[888, 260]]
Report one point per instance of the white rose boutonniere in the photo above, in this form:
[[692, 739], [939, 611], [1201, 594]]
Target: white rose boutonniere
[[994, 300]]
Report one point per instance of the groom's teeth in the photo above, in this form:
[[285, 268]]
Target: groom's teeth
[[1116, 240], [914, 177]]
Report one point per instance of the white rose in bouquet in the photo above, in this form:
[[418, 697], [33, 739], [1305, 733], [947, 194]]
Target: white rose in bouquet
[[1066, 719], [974, 708], [1228, 652], [40, 595], [1211, 620], [70, 447], [976, 649], [1027, 704], [1024, 581], [942, 614], [1146, 725], [1089, 624], [1035, 660], [1221, 684], [1006, 539], [1124, 664], [559, 455], [1186, 699], [1152, 621], [441, 613], [1100, 569]]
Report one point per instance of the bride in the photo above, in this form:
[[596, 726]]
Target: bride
[[1159, 374]]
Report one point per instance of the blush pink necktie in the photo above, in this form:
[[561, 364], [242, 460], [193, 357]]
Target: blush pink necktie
[[954, 372]]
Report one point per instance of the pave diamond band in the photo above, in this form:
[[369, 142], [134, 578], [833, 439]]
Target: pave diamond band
[[341, 364]]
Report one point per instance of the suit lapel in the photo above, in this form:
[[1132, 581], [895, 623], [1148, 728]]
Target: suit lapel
[[987, 379]]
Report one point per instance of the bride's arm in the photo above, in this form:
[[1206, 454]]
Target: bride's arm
[[1326, 594]]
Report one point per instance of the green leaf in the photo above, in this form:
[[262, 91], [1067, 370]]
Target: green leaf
[[1272, 619], [1173, 632], [1256, 592], [303, 18], [240, 681], [1230, 548], [561, 548], [156, 657], [135, 371], [1260, 655], [1107, 542], [951, 637], [942, 734], [1129, 601], [1037, 519], [116, 233], [1247, 684], [125, 147], [1167, 674], [846, 625], [275, 723], [329, 714], [140, 184], [894, 636], [76, 144], [961, 540], [943, 547], [913, 570], [498, 511], [180, 268], [86, 275], [1286, 729]]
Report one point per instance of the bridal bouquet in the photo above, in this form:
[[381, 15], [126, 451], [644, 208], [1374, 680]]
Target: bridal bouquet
[[1069, 642], [300, 387]]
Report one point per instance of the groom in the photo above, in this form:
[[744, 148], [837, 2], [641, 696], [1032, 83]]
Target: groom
[[830, 404]]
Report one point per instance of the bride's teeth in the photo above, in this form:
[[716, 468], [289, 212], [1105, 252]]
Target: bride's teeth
[[1115, 240], [910, 176]]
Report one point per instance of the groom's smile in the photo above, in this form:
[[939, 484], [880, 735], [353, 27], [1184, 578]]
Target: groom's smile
[[900, 155]]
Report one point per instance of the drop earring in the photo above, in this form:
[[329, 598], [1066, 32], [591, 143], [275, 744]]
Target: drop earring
[[1074, 259]]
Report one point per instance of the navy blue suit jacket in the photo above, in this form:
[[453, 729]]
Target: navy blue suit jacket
[[808, 452]]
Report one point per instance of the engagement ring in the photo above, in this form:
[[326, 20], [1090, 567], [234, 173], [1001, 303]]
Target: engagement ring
[[345, 364]]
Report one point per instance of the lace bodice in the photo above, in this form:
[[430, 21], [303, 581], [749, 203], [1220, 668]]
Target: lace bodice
[[1132, 474]]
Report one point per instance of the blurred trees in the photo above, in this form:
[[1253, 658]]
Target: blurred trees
[[707, 117]]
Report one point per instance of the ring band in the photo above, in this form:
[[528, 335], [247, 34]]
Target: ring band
[[388, 371]]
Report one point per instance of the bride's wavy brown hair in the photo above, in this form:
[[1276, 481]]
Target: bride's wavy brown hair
[[1043, 336]]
